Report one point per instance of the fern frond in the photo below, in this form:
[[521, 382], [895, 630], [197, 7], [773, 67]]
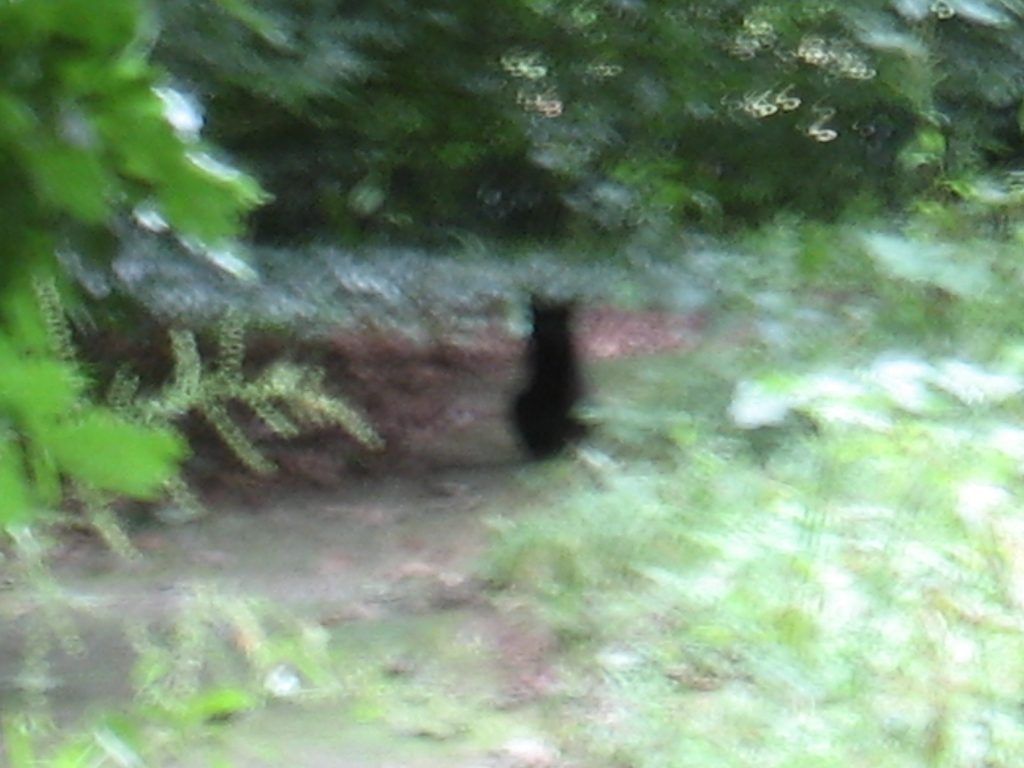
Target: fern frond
[[181, 496], [231, 346], [235, 439], [188, 368], [302, 389], [322, 409], [31, 549], [54, 318], [123, 391], [274, 418], [102, 520], [284, 396]]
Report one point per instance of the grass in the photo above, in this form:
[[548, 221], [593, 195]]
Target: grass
[[841, 588]]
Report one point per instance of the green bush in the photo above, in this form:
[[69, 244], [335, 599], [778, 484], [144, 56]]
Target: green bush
[[547, 119], [86, 134]]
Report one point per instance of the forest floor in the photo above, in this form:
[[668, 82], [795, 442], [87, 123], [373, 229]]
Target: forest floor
[[381, 553]]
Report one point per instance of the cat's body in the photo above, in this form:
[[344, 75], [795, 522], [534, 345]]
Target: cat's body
[[543, 412]]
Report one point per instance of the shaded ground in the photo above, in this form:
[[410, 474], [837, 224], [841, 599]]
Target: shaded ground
[[442, 405], [378, 551]]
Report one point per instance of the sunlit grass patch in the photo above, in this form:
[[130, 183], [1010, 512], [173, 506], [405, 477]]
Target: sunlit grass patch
[[849, 593]]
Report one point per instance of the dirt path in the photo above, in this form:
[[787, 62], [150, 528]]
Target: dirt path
[[432, 669], [384, 565]]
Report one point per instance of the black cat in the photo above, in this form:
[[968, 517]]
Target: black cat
[[543, 412]]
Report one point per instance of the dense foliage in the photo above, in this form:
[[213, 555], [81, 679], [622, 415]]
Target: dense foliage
[[541, 119], [84, 136]]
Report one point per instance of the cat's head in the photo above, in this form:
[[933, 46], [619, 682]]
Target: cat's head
[[546, 311]]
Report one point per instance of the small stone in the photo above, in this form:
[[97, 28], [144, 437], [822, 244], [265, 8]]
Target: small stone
[[282, 682]]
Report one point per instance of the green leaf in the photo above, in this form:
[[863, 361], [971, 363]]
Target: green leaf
[[43, 470], [103, 25], [17, 740], [33, 389], [119, 739], [74, 180], [219, 704], [20, 314], [927, 149], [795, 628], [15, 498], [103, 450], [132, 122], [16, 118], [206, 198]]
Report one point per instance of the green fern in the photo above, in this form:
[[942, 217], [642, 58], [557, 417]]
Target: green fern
[[51, 310], [53, 437], [184, 503], [100, 516], [285, 396]]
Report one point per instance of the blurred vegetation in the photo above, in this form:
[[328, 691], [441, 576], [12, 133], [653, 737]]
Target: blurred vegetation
[[811, 514], [541, 120], [217, 656], [84, 137], [805, 546]]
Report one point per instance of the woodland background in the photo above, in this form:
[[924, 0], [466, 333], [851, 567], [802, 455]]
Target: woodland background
[[802, 527]]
